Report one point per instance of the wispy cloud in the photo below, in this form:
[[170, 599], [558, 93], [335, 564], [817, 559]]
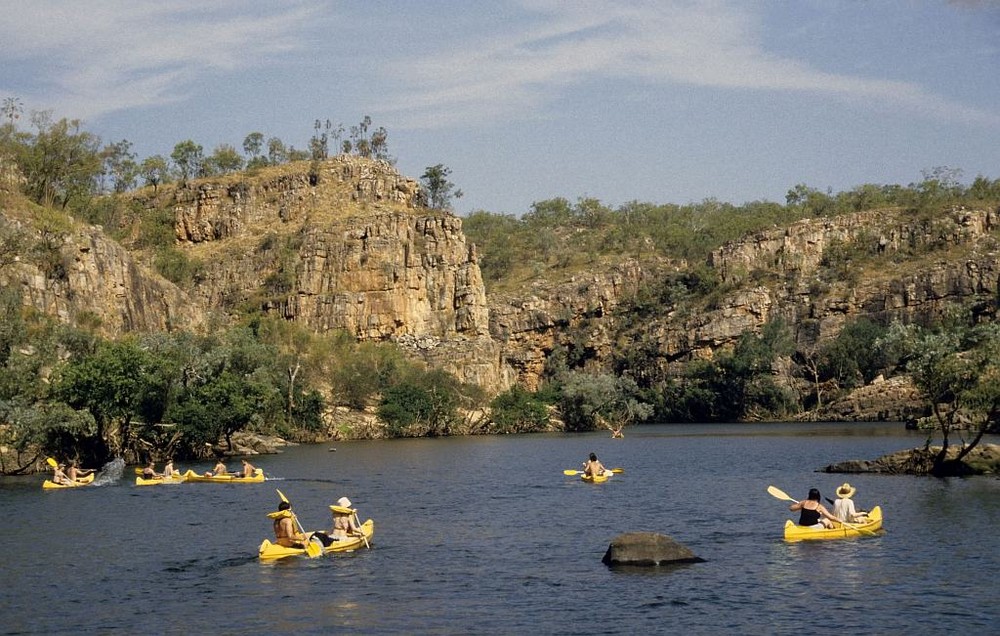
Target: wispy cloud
[[102, 56], [520, 71]]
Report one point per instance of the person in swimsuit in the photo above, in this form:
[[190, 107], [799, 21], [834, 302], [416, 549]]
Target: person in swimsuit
[[74, 473], [220, 469], [149, 472], [59, 477], [812, 513], [593, 466], [248, 469]]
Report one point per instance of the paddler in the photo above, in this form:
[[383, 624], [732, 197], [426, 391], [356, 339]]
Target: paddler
[[59, 477], [248, 469], [344, 520], [220, 469], [285, 533], [593, 466], [74, 473], [149, 472], [812, 514]]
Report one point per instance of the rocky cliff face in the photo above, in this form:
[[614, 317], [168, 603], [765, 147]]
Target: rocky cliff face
[[349, 244], [963, 264], [82, 277]]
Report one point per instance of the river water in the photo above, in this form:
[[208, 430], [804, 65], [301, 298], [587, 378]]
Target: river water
[[485, 535]]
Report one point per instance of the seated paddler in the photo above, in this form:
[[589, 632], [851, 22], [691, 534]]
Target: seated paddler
[[285, 532], [345, 520], [345, 523]]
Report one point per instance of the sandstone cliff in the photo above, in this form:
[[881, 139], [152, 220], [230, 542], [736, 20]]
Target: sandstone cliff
[[348, 244], [77, 274]]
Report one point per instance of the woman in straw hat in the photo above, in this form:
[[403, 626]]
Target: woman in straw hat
[[344, 520], [843, 508]]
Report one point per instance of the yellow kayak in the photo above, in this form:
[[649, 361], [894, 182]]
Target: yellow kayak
[[234, 478], [597, 479], [48, 484], [177, 478], [270, 551], [795, 532]]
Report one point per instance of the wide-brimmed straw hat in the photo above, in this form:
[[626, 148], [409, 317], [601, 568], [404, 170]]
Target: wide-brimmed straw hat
[[846, 491]]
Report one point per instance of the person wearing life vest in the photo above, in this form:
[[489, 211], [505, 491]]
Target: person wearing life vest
[[285, 533], [344, 520]]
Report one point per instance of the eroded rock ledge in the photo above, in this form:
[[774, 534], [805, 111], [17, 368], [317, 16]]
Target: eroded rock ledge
[[983, 460]]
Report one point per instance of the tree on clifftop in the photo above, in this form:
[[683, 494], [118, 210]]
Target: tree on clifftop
[[439, 189]]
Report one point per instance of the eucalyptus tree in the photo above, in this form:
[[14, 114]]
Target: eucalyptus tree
[[957, 369], [188, 158], [155, 170], [276, 151], [440, 191], [253, 146], [224, 160], [60, 162], [115, 385], [12, 109], [120, 165]]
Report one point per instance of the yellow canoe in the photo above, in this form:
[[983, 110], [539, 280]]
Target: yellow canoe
[[233, 478], [177, 478], [48, 484], [795, 532], [271, 551], [597, 479]]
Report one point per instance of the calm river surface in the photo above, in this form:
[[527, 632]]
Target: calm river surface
[[485, 535]]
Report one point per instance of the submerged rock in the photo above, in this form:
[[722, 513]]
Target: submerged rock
[[647, 549]]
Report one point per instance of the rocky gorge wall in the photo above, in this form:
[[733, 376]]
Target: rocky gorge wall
[[349, 244], [86, 278]]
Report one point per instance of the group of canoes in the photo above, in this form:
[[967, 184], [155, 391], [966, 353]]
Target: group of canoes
[[844, 522], [351, 536]]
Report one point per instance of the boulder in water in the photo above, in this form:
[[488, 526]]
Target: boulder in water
[[647, 549]]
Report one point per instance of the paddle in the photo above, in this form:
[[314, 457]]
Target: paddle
[[357, 522], [312, 549], [54, 464], [781, 494], [570, 471]]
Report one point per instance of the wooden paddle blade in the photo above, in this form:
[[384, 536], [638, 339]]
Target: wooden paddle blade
[[779, 494]]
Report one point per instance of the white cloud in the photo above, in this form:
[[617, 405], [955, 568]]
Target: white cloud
[[100, 56], [518, 71]]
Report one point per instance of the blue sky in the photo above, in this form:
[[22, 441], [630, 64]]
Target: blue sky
[[526, 100]]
